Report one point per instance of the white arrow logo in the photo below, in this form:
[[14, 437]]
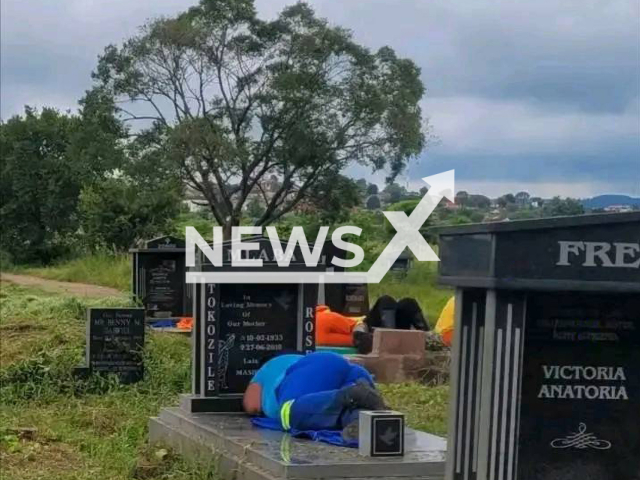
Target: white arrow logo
[[407, 236], [408, 228]]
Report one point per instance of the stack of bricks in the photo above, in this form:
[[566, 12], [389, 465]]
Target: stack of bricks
[[398, 356]]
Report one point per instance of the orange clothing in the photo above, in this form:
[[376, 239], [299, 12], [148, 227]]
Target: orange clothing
[[185, 323], [333, 329]]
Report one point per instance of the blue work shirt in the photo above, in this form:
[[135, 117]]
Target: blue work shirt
[[269, 377]]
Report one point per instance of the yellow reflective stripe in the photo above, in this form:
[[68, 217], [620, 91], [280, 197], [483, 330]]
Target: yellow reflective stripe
[[285, 411]]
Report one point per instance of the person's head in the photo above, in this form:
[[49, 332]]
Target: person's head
[[383, 313], [409, 314]]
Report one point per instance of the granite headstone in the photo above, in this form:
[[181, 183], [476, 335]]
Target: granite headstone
[[159, 278], [237, 326], [115, 342], [546, 353]]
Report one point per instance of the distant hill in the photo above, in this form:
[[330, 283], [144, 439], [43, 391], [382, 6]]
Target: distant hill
[[604, 201]]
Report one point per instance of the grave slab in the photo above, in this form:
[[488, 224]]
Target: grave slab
[[249, 453]]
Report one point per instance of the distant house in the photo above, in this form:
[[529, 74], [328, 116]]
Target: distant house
[[618, 208], [449, 205]]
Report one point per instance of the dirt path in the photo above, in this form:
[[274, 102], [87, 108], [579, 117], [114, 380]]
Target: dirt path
[[55, 286]]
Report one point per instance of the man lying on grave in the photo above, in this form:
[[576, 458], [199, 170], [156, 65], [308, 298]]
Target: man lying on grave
[[388, 313], [318, 395], [334, 329]]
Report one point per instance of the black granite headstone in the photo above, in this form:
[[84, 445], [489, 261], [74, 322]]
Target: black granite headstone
[[159, 278], [348, 299], [115, 342], [255, 323], [581, 359], [237, 326], [546, 352]]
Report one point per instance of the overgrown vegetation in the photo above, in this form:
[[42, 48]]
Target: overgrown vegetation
[[85, 429], [101, 268], [114, 270], [98, 428]]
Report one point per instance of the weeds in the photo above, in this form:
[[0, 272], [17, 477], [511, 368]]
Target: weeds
[[106, 269], [97, 429]]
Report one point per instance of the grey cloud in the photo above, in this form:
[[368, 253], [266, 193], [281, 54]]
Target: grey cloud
[[574, 52], [542, 89]]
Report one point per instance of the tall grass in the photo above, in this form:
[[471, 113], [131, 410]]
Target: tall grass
[[106, 269], [97, 429], [93, 429], [114, 270]]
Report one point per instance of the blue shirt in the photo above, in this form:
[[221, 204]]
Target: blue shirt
[[269, 378]]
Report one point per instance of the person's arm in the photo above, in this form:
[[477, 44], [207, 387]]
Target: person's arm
[[252, 400]]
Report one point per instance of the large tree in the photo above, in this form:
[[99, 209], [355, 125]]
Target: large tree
[[47, 157], [233, 100]]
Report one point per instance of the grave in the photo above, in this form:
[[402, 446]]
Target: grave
[[248, 453], [159, 278], [402, 264], [347, 299], [399, 356], [351, 300], [115, 343], [545, 377], [235, 327]]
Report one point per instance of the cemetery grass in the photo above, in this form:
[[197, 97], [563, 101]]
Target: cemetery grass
[[114, 271], [97, 429], [104, 268], [84, 430]]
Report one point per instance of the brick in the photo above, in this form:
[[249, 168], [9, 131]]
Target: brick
[[398, 342]]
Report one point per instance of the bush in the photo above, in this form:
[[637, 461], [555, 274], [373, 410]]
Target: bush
[[6, 261]]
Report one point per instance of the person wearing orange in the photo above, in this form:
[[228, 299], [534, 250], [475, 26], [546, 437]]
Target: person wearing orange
[[334, 329]]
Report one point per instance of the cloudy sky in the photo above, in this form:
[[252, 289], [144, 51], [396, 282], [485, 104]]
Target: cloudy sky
[[537, 95]]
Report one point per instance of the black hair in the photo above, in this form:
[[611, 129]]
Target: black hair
[[385, 305], [409, 314]]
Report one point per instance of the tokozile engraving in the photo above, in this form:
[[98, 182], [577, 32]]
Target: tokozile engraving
[[599, 254], [584, 391]]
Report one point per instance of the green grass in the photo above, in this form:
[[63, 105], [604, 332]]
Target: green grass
[[97, 429], [85, 430], [425, 408], [108, 270]]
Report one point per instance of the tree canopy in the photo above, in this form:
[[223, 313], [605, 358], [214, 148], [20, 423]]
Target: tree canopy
[[232, 100], [46, 161], [67, 182]]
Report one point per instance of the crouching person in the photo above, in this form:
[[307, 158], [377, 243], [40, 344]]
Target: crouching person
[[317, 392]]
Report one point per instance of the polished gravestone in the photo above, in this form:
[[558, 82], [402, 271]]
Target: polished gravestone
[[546, 360], [237, 326], [115, 342], [159, 278], [348, 299], [249, 453]]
